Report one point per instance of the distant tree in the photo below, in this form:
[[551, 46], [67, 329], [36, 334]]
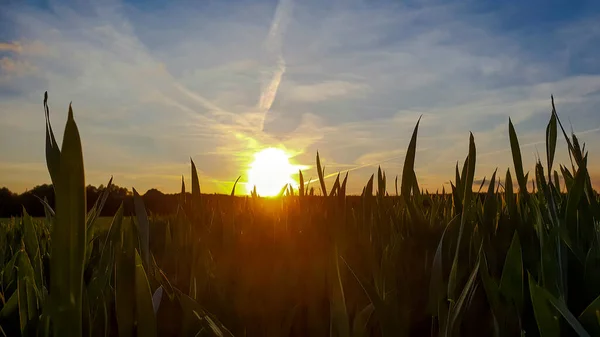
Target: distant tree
[[31, 200], [5, 193], [159, 203], [156, 202], [8, 203]]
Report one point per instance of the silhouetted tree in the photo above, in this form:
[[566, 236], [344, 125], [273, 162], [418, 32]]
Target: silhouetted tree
[[156, 202], [8, 202]]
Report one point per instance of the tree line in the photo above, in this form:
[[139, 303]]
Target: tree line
[[12, 204]]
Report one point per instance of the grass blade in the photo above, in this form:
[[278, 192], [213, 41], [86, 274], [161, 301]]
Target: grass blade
[[336, 186], [409, 164], [27, 298], [144, 307], [48, 211], [590, 317], [556, 181], [104, 270], [52, 148], [359, 325], [195, 207], [69, 236], [32, 247], [511, 282], [491, 289], [457, 309], [368, 192], [339, 312], [94, 213], [321, 174], [516, 154], [282, 191], [574, 196], [143, 226], [470, 171], [567, 315], [389, 324], [551, 141], [125, 281], [182, 193], [343, 188], [547, 322], [468, 181], [157, 298], [437, 286], [301, 183], [234, 184], [380, 183]]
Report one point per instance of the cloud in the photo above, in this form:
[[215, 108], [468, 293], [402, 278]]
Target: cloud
[[11, 47], [13, 67], [152, 87], [322, 91]]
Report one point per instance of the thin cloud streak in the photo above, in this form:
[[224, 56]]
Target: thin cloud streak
[[273, 44], [541, 142]]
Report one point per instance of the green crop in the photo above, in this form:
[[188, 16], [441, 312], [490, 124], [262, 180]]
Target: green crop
[[485, 260]]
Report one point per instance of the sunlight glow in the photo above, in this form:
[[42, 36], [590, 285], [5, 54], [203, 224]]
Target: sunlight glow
[[270, 171]]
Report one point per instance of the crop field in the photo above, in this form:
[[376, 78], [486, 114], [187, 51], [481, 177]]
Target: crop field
[[492, 260]]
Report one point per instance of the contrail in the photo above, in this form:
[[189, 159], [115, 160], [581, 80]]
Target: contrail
[[196, 97], [359, 167], [538, 142], [587, 131], [364, 165], [401, 156], [273, 44]]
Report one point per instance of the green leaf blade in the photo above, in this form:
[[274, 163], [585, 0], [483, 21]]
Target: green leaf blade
[[409, 164], [511, 282], [69, 236], [144, 308], [516, 154]]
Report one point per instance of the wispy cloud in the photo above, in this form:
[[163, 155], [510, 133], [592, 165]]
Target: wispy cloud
[[11, 47], [322, 91], [153, 85]]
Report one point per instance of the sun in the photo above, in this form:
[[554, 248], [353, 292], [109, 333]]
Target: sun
[[270, 171]]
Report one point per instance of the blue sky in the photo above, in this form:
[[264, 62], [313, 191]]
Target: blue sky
[[154, 83]]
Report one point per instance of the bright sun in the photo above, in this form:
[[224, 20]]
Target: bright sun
[[270, 171]]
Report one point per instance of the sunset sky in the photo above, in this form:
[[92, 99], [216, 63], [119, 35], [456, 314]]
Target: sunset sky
[[154, 83]]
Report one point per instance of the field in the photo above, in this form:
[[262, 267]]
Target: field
[[489, 260]]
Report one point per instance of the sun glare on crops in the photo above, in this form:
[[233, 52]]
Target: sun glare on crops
[[270, 171]]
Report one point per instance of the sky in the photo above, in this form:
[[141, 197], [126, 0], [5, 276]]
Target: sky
[[155, 83]]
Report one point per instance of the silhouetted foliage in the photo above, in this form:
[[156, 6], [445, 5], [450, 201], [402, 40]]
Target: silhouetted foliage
[[156, 202], [11, 204]]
